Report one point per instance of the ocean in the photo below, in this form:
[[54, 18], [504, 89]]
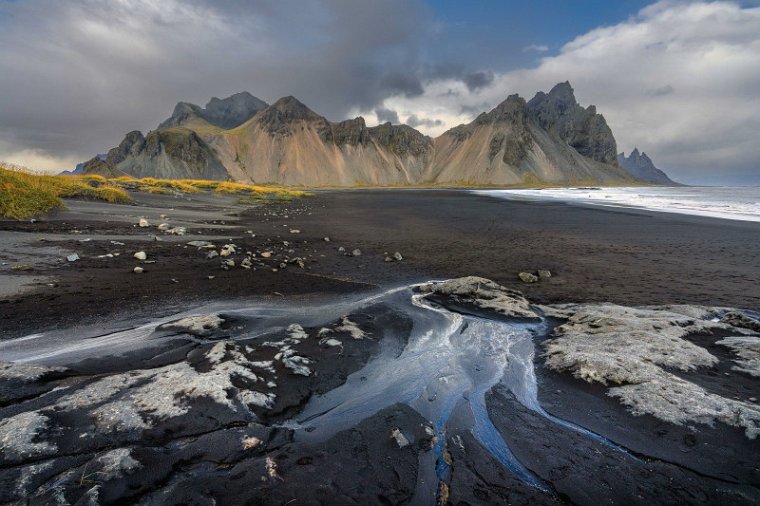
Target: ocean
[[734, 203]]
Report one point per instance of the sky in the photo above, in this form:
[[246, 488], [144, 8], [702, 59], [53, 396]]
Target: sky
[[680, 80]]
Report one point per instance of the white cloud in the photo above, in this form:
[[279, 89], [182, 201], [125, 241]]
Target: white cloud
[[679, 80], [538, 48]]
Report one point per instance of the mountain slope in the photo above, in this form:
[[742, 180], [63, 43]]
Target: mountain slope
[[641, 166], [509, 146], [549, 140], [288, 143]]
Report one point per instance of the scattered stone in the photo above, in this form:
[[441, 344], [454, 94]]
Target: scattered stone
[[177, 231], [341, 249], [266, 254], [527, 277], [401, 440], [388, 259], [246, 263], [295, 231], [332, 342], [327, 239], [21, 267], [201, 244], [228, 264], [544, 274], [143, 223], [138, 270], [212, 254], [164, 227], [140, 255], [352, 328], [397, 256], [251, 442], [227, 250], [72, 258], [356, 253]]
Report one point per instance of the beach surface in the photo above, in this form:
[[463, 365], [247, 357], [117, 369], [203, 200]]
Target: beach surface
[[306, 270]]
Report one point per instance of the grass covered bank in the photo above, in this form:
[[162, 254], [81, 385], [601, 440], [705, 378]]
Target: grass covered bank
[[24, 195]]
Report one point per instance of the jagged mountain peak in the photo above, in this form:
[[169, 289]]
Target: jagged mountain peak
[[221, 112], [639, 165]]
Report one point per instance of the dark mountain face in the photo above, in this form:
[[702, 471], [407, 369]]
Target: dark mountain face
[[225, 113], [559, 113], [639, 165], [279, 117]]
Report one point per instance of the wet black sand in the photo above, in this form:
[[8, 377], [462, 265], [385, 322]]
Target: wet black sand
[[625, 256]]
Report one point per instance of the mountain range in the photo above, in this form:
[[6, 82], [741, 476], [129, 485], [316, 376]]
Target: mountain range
[[550, 139]]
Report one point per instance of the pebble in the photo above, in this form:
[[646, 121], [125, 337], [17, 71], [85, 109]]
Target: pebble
[[138, 270], [140, 255], [327, 239], [72, 258], [143, 223], [397, 256], [356, 253], [295, 231], [212, 254]]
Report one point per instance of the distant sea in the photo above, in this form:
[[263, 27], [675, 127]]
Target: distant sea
[[734, 203]]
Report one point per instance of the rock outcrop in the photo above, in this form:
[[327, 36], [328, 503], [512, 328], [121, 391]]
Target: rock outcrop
[[172, 153], [560, 114], [549, 140], [640, 166]]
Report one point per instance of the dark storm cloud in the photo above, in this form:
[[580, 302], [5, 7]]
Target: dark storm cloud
[[477, 80], [78, 75], [385, 115]]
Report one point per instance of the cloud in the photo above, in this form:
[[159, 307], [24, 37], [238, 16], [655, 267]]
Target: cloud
[[477, 80], [414, 121], [678, 80], [538, 48], [663, 90], [385, 115], [78, 75]]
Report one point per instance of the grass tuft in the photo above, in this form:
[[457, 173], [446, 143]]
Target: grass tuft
[[24, 195]]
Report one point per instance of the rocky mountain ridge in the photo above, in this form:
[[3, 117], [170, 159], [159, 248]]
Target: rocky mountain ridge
[[550, 139], [641, 166]]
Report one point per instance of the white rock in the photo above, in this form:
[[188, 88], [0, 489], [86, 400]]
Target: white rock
[[295, 231], [401, 440], [164, 227], [141, 255], [138, 270], [143, 223], [72, 258]]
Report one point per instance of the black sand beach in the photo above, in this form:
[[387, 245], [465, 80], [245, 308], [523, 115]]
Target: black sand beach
[[597, 254], [628, 257]]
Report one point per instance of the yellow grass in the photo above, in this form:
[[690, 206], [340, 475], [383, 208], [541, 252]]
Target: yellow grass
[[24, 195]]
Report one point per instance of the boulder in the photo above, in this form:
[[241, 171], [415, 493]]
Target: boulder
[[484, 294]]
